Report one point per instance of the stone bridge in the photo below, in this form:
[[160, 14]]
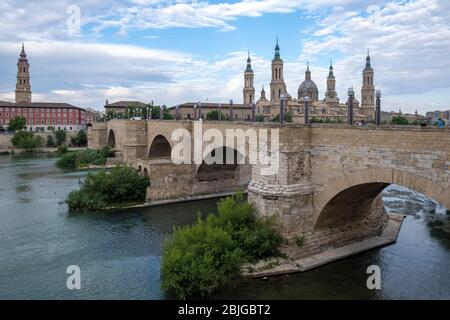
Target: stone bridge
[[330, 177]]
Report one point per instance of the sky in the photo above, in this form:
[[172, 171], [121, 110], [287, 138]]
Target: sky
[[171, 52]]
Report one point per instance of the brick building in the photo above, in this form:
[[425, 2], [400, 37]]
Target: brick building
[[39, 115]]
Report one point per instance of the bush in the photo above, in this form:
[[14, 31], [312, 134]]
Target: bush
[[80, 140], [68, 160], [60, 137], [287, 117], [400, 120], [208, 255], [62, 149], [122, 185], [81, 159], [214, 116], [50, 141], [17, 123], [26, 140], [2, 129], [107, 152], [259, 118]]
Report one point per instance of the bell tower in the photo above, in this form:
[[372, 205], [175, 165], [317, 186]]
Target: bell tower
[[249, 89], [277, 85], [23, 87], [368, 91]]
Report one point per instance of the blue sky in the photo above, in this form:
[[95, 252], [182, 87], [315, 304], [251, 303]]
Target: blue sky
[[177, 51]]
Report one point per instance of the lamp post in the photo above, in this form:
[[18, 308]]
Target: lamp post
[[231, 110], [219, 115], [351, 94], [282, 102], [195, 112], [177, 112], [253, 111], [378, 109], [200, 110], [306, 99], [161, 115]]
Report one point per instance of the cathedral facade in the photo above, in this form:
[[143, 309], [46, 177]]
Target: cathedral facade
[[327, 109]]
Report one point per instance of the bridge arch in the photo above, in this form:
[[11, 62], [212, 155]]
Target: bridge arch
[[111, 138], [337, 205], [220, 171], [160, 148]]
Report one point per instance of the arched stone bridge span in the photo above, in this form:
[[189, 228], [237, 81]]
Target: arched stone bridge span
[[327, 189]]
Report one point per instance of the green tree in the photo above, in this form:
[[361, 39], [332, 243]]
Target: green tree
[[60, 137], [50, 141], [26, 140], [208, 255], [214, 115], [400, 120], [80, 140], [122, 185], [259, 118], [17, 123], [287, 117]]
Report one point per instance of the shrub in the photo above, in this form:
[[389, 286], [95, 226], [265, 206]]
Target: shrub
[[26, 140], [68, 160], [119, 186], [107, 152], [50, 141], [400, 120], [214, 116], [259, 118], [60, 137], [81, 159], [287, 117], [62, 149], [198, 260], [17, 123], [80, 140], [2, 129], [208, 255]]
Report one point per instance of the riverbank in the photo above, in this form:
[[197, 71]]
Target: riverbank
[[8, 151], [280, 266]]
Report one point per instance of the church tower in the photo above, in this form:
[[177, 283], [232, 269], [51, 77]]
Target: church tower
[[331, 95], [368, 91], [249, 89], [23, 87], [277, 85]]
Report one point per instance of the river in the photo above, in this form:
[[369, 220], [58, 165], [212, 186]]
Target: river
[[119, 253]]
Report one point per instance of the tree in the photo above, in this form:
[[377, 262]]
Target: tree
[[214, 116], [17, 123], [26, 140], [60, 137], [259, 118], [50, 141], [287, 117], [400, 120], [80, 140]]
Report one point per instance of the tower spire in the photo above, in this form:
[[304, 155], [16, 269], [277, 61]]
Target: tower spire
[[277, 51], [249, 63], [308, 72]]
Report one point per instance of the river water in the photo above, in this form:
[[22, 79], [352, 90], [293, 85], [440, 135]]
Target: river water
[[119, 253]]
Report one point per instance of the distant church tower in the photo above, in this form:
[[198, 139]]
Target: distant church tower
[[368, 90], [249, 89], [331, 94], [23, 87], [277, 85]]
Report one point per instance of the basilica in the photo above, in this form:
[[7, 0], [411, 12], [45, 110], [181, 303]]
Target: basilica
[[328, 109]]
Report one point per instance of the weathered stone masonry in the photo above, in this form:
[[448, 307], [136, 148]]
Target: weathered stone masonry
[[327, 190]]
